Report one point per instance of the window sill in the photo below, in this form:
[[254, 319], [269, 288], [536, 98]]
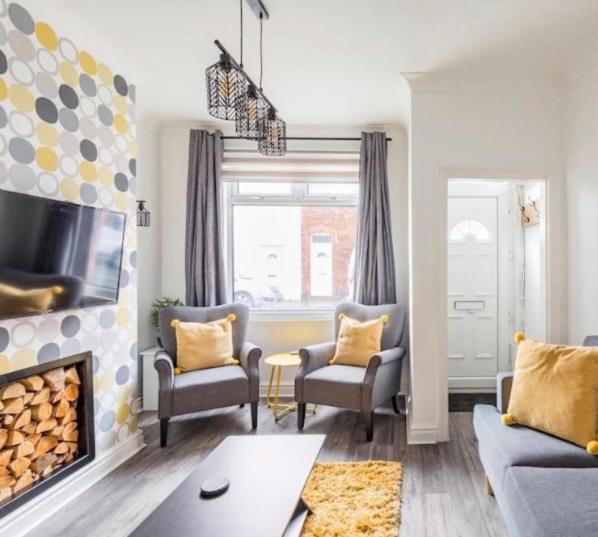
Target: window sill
[[292, 315]]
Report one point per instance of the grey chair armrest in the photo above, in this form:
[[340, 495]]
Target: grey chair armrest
[[312, 358], [315, 357], [381, 387], [165, 368], [250, 357], [504, 383], [385, 357]]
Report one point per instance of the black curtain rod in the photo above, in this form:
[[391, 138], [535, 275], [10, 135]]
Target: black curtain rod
[[307, 138]]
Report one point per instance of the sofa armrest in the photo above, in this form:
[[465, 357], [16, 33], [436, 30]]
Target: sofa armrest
[[165, 367], [250, 357], [386, 357], [504, 383], [315, 357], [382, 377], [312, 358]]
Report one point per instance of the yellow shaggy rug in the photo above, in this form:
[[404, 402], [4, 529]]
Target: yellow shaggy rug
[[353, 499]]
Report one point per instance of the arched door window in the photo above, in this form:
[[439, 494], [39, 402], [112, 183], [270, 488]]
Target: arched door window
[[467, 229]]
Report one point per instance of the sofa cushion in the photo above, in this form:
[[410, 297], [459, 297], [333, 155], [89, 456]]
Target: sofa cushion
[[209, 388], [358, 341], [336, 385], [555, 390], [552, 502], [204, 345], [502, 447]]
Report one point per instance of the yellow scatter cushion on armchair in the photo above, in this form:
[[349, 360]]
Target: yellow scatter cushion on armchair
[[555, 390], [358, 341], [204, 345]]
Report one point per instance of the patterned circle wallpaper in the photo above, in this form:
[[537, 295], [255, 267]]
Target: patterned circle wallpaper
[[67, 131]]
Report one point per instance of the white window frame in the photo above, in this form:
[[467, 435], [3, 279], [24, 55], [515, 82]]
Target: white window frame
[[299, 197]]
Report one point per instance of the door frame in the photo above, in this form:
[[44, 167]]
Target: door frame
[[504, 273]]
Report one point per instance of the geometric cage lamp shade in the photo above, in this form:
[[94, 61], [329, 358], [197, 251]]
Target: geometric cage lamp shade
[[225, 85], [273, 135], [143, 215], [251, 111]]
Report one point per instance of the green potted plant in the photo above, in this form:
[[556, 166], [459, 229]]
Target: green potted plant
[[158, 305]]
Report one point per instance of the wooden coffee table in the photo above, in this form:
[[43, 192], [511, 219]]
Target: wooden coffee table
[[267, 475]]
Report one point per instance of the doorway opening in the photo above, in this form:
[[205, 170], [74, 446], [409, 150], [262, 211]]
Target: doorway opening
[[496, 273]]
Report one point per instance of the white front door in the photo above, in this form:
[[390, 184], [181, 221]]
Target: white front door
[[321, 265], [472, 290]]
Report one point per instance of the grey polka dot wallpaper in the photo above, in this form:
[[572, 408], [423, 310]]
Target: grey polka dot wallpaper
[[67, 131]]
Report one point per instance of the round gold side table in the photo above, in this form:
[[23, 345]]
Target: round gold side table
[[277, 362]]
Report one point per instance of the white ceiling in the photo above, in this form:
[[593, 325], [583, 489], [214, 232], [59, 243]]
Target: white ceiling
[[334, 61]]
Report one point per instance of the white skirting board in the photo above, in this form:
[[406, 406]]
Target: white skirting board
[[287, 389], [41, 507]]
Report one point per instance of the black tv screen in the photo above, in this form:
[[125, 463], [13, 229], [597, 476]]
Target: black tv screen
[[57, 255]]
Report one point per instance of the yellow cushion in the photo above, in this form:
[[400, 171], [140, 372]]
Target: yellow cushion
[[358, 341], [555, 390], [204, 345], [17, 301]]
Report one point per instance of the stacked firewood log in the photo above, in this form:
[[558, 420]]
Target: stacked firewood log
[[38, 428]]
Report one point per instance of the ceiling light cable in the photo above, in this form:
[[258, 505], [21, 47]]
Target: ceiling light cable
[[261, 49], [241, 32]]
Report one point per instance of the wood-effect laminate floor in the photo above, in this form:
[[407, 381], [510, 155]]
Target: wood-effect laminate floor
[[442, 495]]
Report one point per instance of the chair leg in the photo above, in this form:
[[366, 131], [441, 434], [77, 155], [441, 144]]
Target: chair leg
[[254, 415], [369, 425], [301, 415], [163, 431], [395, 403]]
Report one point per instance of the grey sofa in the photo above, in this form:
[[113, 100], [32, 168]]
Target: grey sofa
[[544, 486], [356, 388], [206, 389]]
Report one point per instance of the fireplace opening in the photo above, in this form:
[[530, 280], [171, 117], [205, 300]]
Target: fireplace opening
[[46, 427]]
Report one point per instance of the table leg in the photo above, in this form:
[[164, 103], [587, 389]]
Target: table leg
[[269, 392], [273, 401]]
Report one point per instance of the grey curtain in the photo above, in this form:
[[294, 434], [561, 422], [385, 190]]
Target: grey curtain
[[205, 277], [374, 281]]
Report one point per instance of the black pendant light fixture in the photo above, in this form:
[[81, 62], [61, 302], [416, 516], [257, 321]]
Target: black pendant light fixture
[[225, 84], [233, 95], [273, 136], [251, 112]]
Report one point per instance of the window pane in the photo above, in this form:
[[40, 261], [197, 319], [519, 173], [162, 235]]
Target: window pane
[[333, 189], [277, 189], [297, 257]]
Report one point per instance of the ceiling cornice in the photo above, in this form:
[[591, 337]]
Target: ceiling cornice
[[456, 82]]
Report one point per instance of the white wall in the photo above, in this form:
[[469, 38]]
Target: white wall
[[148, 251], [463, 130], [272, 335], [581, 131]]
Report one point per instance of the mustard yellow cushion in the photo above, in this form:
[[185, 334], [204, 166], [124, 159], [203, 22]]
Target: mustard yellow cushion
[[14, 300], [555, 390], [204, 345], [358, 341]]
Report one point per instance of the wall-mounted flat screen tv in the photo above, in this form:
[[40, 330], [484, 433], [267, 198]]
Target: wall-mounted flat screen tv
[[57, 255]]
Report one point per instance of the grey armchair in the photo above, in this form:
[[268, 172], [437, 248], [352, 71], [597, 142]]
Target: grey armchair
[[357, 388], [207, 388]]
